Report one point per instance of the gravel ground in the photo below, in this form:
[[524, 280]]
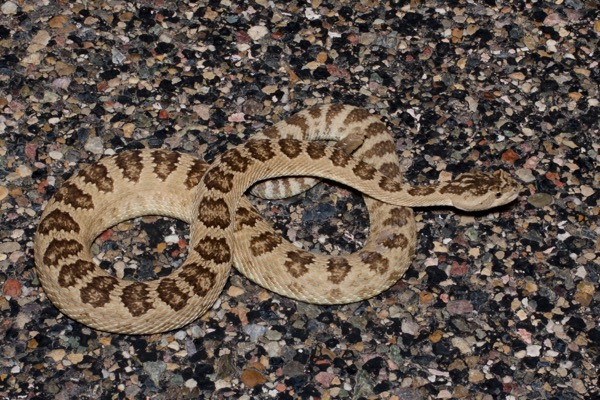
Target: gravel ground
[[495, 305]]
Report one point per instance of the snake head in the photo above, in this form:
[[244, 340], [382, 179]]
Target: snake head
[[476, 191]]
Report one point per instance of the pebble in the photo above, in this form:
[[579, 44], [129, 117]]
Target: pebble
[[540, 200], [254, 331], [94, 145], [251, 378], [258, 32], [459, 307], [12, 288], [9, 8]]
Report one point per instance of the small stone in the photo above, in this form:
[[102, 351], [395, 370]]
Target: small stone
[[258, 32], [39, 42], [191, 383], [65, 69], [155, 369], [251, 378], [254, 331], [273, 335], [324, 379], [585, 293], [579, 386], [410, 327], [436, 336], [525, 175], [56, 155], [517, 75], [58, 21], [9, 8], [9, 247], [458, 307], [533, 350], [94, 145], [476, 376], [12, 288], [3, 192], [57, 354], [540, 200], [75, 358]]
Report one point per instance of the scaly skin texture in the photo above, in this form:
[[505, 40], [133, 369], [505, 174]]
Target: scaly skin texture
[[224, 229]]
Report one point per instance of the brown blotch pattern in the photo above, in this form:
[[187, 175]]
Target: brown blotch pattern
[[71, 274], [260, 150], [165, 162], [131, 165], [380, 149], [375, 129], [214, 213], [421, 190], [398, 217], [217, 179], [247, 217], [170, 293], [390, 169], [395, 241], [298, 120], [333, 111], [264, 243], [315, 112], [290, 148], [364, 171], [196, 172], [339, 157], [97, 292], [199, 277], [97, 175], [297, 261], [338, 269], [389, 185], [71, 195], [58, 220], [316, 150], [136, 297], [376, 261], [214, 249], [59, 249], [357, 115], [476, 183], [271, 132], [235, 161]]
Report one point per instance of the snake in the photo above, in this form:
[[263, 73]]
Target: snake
[[225, 230]]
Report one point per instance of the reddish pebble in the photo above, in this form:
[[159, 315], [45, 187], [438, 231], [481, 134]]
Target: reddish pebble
[[324, 379], [458, 269], [510, 156], [163, 114], [12, 288], [252, 377], [458, 307], [106, 234]]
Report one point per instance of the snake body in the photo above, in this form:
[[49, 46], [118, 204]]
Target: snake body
[[225, 229]]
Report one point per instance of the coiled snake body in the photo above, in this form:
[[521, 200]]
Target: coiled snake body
[[225, 229]]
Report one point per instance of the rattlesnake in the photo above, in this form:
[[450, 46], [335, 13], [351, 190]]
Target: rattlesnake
[[158, 182]]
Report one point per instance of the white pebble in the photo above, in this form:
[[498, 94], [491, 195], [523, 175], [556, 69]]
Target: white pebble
[[533, 350], [191, 383], [9, 8], [56, 155], [257, 32], [94, 145]]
